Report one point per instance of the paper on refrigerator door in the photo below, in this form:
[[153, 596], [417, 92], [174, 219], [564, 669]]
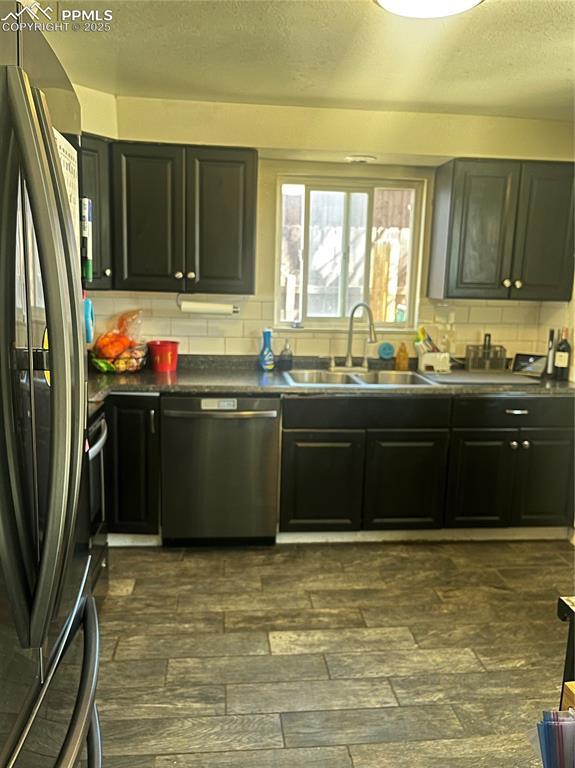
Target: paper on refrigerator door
[[69, 163]]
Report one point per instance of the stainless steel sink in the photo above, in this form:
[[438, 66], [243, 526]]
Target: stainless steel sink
[[391, 378], [329, 378], [320, 378]]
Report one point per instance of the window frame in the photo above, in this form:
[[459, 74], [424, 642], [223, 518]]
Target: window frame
[[345, 184]]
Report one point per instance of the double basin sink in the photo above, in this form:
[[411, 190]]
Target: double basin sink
[[321, 378]]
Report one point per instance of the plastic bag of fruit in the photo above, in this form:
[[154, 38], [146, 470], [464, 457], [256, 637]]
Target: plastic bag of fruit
[[117, 350]]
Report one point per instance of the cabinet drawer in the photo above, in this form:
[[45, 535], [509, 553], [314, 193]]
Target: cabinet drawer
[[513, 411], [393, 412]]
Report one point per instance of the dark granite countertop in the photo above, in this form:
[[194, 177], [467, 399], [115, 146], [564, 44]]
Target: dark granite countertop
[[241, 375]]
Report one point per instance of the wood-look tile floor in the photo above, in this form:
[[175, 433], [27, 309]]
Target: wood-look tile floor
[[331, 656]]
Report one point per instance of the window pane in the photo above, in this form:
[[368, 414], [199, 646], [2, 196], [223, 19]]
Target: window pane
[[325, 253], [391, 243], [291, 270], [357, 236]]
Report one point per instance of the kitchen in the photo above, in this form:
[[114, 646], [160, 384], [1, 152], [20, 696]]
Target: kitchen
[[320, 533]]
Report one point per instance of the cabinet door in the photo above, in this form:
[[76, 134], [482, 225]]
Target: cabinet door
[[95, 179], [322, 480], [148, 183], [481, 477], [543, 255], [405, 479], [483, 207], [544, 483], [133, 497], [220, 220]]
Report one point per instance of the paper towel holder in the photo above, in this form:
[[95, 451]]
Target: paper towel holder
[[186, 304]]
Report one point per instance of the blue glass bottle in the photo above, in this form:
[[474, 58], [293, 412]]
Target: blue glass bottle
[[266, 356]]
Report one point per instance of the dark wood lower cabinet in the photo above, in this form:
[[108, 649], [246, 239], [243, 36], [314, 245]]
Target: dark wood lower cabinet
[[405, 479], [544, 479], [133, 469], [481, 477], [322, 480]]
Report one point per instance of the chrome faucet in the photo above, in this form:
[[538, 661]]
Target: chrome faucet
[[372, 334]]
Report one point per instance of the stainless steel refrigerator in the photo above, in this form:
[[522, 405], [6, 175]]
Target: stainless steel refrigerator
[[48, 620]]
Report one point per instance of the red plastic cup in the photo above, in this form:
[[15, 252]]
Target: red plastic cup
[[164, 355]]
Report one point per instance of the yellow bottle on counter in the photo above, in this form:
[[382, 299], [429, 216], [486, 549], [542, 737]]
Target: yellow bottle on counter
[[402, 358]]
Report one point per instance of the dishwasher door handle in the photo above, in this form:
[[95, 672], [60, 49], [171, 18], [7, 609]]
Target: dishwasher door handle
[[222, 414]]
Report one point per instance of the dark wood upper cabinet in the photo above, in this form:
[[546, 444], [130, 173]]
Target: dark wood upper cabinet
[[502, 229], [220, 219], [184, 218], [148, 185], [543, 255], [95, 184], [473, 226]]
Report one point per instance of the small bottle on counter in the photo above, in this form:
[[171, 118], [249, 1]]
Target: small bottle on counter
[[550, 364], [266, 356], [402, 358], [285, 360], [562, 356]]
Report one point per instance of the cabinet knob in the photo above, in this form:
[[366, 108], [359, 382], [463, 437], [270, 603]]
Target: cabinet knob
[[526, 444], [178, 275], [191, 275], [108, 272], [507, 283], [518, 284], [514, 445]]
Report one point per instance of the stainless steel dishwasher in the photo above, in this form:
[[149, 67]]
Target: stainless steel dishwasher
[[220, 467]]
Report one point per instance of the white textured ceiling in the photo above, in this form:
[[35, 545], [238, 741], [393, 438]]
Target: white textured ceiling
[[505, 57]]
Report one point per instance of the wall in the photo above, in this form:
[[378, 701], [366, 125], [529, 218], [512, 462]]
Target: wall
[[512, 323], [326, 133]]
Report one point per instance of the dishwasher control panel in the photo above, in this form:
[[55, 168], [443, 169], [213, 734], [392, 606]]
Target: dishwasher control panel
[[217, 404]]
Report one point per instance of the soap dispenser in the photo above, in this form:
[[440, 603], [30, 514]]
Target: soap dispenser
[[285, 360]]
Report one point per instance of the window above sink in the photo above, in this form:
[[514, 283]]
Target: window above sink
[[343, 240]]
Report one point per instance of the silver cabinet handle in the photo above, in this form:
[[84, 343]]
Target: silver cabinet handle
[[516, 412], [153, 422], [191, 275], [526, 444], [507, 283], [96, 449], [514, 445], [518, 284], [108, 272], [178, 275]]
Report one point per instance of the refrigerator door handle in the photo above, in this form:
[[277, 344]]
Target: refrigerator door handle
[[16, 547], [73, 283], [36, 171], [94, 745], [82, 717]]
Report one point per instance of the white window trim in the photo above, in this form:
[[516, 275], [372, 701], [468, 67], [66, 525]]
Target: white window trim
[[330, 325]]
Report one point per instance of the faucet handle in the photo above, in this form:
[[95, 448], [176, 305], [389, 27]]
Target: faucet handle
[[331, 362]]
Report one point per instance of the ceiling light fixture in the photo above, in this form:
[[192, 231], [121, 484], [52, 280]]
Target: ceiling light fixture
[[427, 9]]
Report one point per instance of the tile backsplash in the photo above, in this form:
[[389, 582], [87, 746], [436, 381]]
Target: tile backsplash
[[518, 326]]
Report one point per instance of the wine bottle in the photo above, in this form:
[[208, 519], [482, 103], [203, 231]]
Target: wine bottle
[[562, 356]]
